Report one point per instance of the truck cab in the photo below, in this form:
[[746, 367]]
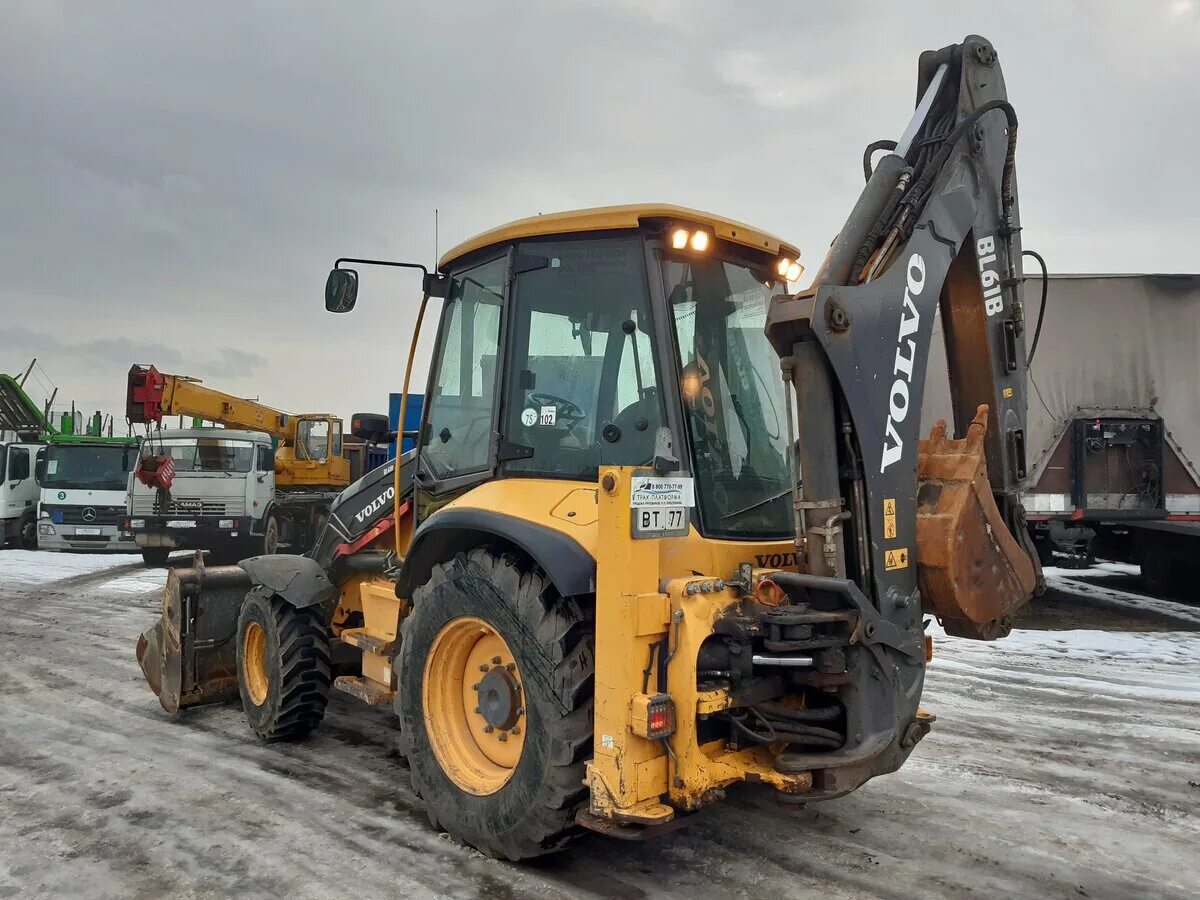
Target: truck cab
[[222, 498], [18, 494], [83, 484]]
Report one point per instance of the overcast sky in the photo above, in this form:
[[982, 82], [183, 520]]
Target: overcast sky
[[178, 177]]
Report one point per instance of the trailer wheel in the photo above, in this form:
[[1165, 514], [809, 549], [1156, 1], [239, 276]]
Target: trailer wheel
[[283, 667], [1158, 572], [495, 702], [155, 557]]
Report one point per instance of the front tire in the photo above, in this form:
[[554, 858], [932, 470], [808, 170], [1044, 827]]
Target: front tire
[[284, 671], [513, 797], [27, 532], [270, 540]]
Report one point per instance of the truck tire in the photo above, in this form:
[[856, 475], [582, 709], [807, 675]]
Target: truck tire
[[283, 667], [27, 532], [155, 557], [486, 631], [270, 538]]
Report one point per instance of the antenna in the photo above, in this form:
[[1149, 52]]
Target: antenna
[[435, 236]]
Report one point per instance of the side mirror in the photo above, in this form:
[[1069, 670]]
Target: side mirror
[[341, 290], [370, 427]]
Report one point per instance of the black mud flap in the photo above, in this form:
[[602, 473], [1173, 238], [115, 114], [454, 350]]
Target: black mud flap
[[189, 657]]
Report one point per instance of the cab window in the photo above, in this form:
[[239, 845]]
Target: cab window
[[266, 459], [583, 390]]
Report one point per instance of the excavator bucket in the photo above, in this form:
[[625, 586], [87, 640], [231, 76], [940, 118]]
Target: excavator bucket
[[189, 657], [973, 574]]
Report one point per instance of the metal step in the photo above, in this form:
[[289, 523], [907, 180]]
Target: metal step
[[364, 689]]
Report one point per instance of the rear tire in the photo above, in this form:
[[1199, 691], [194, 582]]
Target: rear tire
[[284, 670], [155, 557], [530, 810]]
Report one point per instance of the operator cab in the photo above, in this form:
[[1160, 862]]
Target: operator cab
[[628, 334]]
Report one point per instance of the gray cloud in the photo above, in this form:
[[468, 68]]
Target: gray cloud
[[178, 178]]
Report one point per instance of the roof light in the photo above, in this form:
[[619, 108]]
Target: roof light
[[795, 270], [700, 241], [782, 268], [679, 239]]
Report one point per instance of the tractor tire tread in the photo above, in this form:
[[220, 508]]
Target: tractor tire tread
[[552, 639]]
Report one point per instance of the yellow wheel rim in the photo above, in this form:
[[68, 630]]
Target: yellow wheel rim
[[474, 705], [254, 656]]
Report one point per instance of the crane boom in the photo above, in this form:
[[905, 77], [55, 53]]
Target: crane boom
[[153, 395], [311, 453]]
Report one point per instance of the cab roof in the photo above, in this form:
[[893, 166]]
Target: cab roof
[[606, 218]]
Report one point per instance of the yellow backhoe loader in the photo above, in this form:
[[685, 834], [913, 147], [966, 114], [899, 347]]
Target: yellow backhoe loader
[[668, 526]]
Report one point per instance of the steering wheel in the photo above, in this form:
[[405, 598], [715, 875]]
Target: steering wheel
[[570, 413]]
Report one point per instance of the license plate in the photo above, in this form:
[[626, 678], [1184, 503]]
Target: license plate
[[181, 523], [92, 531], [660, 520]]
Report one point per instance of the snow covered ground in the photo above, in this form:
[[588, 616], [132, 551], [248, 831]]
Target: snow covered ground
[[1064, 763]]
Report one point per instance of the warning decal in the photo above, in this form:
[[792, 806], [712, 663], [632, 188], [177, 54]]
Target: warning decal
[[889, 518], [895, 559]]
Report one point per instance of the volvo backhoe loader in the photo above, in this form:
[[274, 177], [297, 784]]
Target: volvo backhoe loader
[[667, 527]]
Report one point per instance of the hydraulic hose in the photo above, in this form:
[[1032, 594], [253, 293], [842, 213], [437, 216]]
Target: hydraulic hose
[[1037, 332]]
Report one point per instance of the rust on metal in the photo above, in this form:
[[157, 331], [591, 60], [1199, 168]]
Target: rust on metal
[[189, 657], [369, 692], [972, 572]]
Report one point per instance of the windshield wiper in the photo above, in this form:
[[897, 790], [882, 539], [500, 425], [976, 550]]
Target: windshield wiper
[[764, 502]]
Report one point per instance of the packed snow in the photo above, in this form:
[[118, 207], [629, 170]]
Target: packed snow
[[1063, 763]]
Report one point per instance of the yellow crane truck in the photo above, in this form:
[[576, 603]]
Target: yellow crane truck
[[667, 526]]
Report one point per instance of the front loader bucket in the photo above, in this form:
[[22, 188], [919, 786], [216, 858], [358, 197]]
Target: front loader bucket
[[973, 574], [189, 657]]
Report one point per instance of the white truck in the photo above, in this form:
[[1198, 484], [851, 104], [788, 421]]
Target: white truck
[[18, 494], [222, 499], [84, 482]]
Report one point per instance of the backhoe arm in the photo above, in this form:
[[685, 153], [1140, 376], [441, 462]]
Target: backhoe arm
[[936, 224]]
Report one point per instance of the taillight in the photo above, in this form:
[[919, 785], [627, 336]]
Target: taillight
[[653, 716]]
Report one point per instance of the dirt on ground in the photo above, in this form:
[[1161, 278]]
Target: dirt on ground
[[1065, 763]]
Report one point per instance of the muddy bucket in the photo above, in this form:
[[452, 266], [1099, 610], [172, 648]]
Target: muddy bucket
[[973, 573], [189, 657]]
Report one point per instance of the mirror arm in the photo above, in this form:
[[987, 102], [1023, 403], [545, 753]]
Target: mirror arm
[[433, 284]]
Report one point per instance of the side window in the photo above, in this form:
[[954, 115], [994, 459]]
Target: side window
[[18, 463], [335, 445], [459, 424], [583, 391], [266, 459]]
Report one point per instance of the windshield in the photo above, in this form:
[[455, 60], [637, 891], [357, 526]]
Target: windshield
[[732, 395], [91, 466], [206, 454]]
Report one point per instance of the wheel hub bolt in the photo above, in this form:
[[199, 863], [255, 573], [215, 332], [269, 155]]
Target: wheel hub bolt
[[516, 729], [503, 736], [495, 660], [512, 667], [488, 729]]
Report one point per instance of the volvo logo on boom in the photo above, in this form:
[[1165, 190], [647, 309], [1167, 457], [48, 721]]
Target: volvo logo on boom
[[902, 368], [375, 505]]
